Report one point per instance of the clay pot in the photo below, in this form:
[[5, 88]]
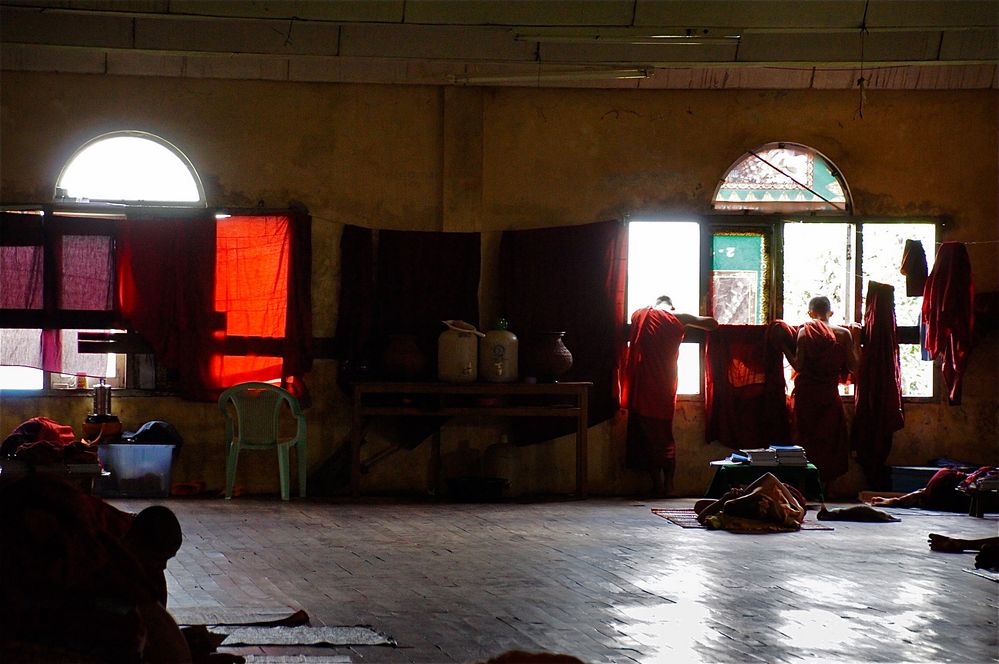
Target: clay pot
[[546, 356], [402, 357]]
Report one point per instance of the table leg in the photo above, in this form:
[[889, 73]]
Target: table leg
[[356, 433], [582, 425], [435, 464]]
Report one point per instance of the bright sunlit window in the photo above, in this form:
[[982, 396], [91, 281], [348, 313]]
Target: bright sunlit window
[[664, 259], [883, 247], [131, 167], [782, 177]]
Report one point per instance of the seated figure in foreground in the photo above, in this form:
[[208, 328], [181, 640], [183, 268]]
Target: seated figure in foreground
[[82, 581]]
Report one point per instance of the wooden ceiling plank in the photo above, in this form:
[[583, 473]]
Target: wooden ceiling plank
[[786, 14], [237, 36], [970, 45], [433, 42], [495, 12], [840, 47], [933, 13], [362, 11], [637, 53], [31, 26]]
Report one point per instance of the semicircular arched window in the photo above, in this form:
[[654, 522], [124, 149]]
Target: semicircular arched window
[[783, 177], [130, 167]]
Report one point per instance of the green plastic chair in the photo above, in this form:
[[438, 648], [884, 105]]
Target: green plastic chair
[[257, 408]]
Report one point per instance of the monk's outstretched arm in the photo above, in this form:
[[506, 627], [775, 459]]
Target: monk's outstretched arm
[[701, 322]]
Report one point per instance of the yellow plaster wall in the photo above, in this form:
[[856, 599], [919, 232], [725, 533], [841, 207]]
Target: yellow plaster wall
[[411, 157]]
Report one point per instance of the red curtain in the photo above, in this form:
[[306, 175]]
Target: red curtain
[[745, 398], [221, 302], [165, 282], [949, 314], [569, 278], [251, 294]]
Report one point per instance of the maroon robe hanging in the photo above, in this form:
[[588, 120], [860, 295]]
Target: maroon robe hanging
[[878, 389], [949, 314]]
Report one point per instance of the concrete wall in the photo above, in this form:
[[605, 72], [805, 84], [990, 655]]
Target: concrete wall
[[466, 159]]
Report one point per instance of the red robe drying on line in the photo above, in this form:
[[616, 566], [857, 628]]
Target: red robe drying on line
[[745, 397], [819, 422], [878, 395], [949, 314], [648, 388]]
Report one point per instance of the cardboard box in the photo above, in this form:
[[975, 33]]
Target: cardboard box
[[137, 471]]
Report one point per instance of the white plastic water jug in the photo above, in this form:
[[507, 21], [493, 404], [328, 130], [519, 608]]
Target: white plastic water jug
[[498, 354], [458, 353]]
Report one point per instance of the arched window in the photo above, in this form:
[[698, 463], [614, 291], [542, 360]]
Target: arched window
[[783, 177], [131, 167], [796, 237], [212, 296]]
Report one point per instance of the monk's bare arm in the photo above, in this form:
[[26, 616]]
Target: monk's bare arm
[[800, 351], [849, 338], [701, 322]]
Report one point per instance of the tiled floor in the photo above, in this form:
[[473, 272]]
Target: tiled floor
[[603, 579]]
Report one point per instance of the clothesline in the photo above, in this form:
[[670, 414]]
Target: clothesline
[[972, 242]]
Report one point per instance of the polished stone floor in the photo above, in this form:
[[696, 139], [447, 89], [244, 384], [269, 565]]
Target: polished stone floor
[[604, 580]]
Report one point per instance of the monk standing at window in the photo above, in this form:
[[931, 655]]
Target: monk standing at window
[[649, 388], [823, 356]]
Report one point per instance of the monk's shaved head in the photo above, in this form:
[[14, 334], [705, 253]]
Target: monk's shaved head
[[820, 305]]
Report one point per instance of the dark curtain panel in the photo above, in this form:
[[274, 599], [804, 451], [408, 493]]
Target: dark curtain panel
[[570, 279], [423, 278], [401, 283], [352, 343], [297, 352], [166, 285], [745, 397], [878, 395]]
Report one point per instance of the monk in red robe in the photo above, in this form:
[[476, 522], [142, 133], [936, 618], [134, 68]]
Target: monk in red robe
[[824, 356], [649, 388]]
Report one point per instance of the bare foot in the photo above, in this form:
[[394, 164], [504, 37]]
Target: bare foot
[[946, 544], [881, 501]]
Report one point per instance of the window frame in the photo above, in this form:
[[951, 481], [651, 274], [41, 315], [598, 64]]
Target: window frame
[[721, 221], [201, 203], [100, 219]]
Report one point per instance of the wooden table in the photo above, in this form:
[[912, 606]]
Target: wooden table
[[452, 399]]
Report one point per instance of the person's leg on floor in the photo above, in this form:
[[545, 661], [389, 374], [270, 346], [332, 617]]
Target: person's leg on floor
[[956, 545]]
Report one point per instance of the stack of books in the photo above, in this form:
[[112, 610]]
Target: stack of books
[[763, 456], [790, 455]]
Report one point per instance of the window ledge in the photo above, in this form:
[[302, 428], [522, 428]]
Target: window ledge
[[89, 392]]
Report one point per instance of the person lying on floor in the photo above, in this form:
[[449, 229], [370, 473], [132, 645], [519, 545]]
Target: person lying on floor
[[766, 505], [946, 491], [987, 548]]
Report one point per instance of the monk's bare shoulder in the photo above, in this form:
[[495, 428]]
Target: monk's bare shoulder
[[842, 334]]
